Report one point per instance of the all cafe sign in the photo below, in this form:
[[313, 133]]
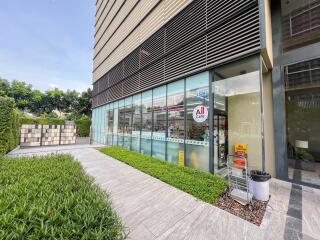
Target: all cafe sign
[[200, 114]]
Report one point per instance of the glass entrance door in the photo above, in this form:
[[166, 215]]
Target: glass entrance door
[[220, 136]]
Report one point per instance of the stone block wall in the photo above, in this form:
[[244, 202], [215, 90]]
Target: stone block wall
[[68, 134], [30, 135], [50, 135], [45, 135]]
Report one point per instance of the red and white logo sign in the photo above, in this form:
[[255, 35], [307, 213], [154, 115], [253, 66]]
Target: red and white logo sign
[[200, 114]]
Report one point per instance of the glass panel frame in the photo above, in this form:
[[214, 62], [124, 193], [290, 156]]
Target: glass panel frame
[[252, 66]]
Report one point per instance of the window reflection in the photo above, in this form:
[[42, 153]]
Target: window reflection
[[121, 122], [136, 122], [176, 129], [237, 113], [159, 109], [110, 125], [197, 118], [128, 111], [146, 123], [303, 114]]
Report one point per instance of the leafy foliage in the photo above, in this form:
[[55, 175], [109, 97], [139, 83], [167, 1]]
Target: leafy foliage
[[204, 186], [44, 121], [9, 125], [50, 197], [36, 102], [83, 126]]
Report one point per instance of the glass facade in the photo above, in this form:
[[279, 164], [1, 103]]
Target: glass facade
[[146, 122], [127, 131], [237, 113], [302, 82], [136, 123], [197, 128], [159, 110], [176, 123], [172, 122]]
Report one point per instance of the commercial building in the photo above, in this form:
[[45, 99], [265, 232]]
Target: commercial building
[[190, 82]]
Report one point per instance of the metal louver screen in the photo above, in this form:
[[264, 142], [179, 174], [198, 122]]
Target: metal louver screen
[[152, 48], [116, 74], [152, 75], [115, 92], [131, 85], [218, 11], [186, 59], [188, 24], [131, 63], [205, 33], [236, 36]]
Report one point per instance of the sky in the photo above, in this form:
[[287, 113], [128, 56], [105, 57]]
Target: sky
[[47, 43]]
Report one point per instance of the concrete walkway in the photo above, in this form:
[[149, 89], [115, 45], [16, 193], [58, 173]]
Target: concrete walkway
[[151, 209]]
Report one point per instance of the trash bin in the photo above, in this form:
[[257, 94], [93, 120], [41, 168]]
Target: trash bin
[[259, 184]]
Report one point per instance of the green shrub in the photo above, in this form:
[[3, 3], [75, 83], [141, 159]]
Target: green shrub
[[9, 125], [44, 121], [50, 197], [83, 127], [204, 186]]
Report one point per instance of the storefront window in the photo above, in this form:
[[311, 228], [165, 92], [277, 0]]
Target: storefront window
[[146, 126], [176, 129], [303, 121], [105, 133], [99, 125], [94, 122], [197, 137], [159, 123], [136, 122], [127, 123], [115, 123], [110, 124], [121, 122], [237, 113]]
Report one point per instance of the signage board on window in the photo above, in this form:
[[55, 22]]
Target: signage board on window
[[200, 114]]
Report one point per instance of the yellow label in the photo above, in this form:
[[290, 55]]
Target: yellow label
[[241, 148], [181, 158]]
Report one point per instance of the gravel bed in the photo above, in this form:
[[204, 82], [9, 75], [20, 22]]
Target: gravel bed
[[254, 214]]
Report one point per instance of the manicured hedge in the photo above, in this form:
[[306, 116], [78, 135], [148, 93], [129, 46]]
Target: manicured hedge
[[44, 121], [9, 125], [83, 127], [50, 197], [202, 185]]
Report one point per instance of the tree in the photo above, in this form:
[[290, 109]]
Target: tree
[[70, 101], [36, 102], [22, 93], [4, 87], [53, 100], [85, 102]]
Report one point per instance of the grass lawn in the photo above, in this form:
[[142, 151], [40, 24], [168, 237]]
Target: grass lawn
[[50, 197], [204, 186]]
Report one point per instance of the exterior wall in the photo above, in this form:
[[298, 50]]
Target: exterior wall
[[201, 36], [296, 31], [266, 31], [121, 26], [159, 122], [270, 163], [162, 44]]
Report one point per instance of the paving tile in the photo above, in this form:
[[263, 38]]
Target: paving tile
[[151, 209]]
